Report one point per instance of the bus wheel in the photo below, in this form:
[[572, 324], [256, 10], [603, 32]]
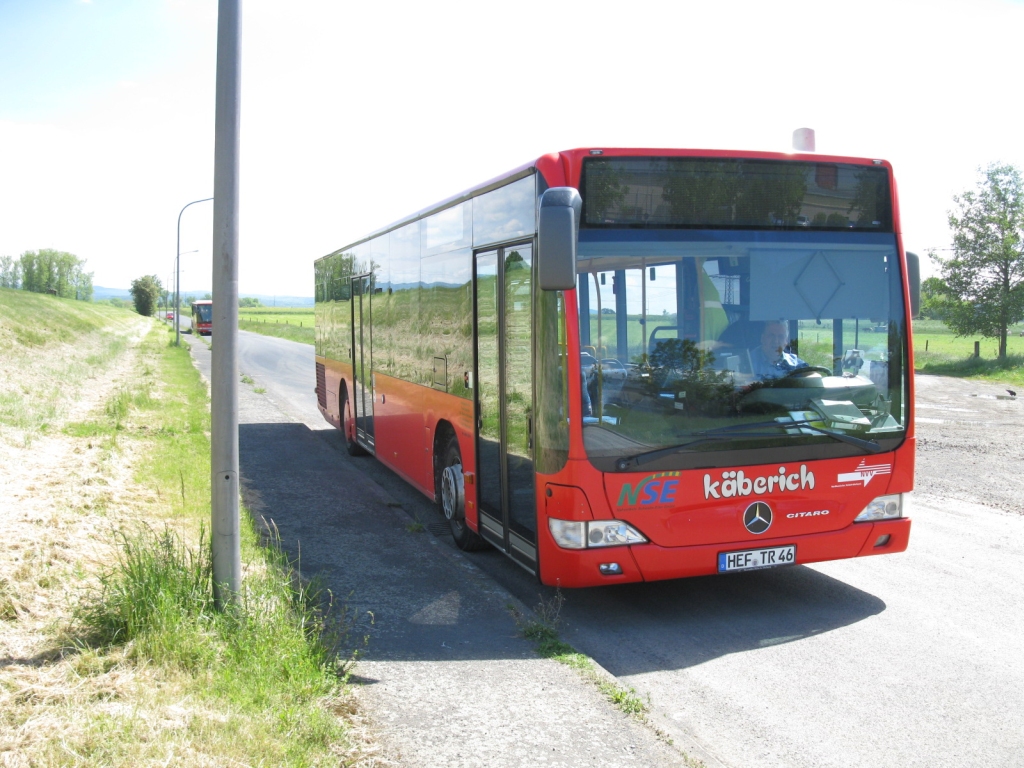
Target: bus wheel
[[453, 499], [353, 448]]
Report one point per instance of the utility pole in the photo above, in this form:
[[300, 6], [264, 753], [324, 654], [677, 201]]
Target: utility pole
[[225, 540]]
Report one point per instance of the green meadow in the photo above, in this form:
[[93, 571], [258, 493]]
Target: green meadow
[[938, 351], [293, 323]]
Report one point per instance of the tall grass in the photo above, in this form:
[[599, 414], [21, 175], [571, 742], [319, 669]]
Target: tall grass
[[271, 668]]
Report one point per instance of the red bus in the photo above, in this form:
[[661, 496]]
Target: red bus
[[619, 365], [202, 317]]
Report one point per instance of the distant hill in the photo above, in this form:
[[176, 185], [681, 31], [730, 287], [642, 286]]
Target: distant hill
[[280, 301], [99, 293]]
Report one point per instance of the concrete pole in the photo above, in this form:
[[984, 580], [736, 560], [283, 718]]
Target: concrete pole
[[226, 542]]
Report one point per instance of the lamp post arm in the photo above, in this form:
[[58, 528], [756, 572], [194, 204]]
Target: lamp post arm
[[177, 276]]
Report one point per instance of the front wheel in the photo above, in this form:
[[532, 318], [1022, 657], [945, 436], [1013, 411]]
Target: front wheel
[[452, 499]]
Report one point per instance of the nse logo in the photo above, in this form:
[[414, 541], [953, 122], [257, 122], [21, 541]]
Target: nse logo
[[653, 489]]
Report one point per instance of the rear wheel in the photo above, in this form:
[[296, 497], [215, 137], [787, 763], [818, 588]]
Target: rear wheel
[[452, 499], [353, 448]]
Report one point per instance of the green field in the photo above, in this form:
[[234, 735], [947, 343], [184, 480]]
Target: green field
[[293, 323], [937, 350]]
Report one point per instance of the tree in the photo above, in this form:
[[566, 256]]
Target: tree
[[985, 276], [934, 299], [10, 272], [57, 272], [249, 302], [145, 292]]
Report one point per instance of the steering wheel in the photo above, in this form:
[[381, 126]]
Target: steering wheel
[[808, 369]]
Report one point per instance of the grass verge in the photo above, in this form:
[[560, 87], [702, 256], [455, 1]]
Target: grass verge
[[140, 668]]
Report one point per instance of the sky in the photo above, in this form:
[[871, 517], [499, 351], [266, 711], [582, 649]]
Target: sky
[[354, 115]]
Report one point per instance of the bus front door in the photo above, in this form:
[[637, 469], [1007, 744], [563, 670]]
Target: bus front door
[[504, 398], [362, 368]]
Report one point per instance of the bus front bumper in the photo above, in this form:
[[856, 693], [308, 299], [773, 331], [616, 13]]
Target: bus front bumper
[[856, 540], [650, 562]]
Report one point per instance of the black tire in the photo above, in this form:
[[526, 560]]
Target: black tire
[[451, 502], [353, 448]]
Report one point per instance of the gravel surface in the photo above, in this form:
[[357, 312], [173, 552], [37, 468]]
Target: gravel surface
[[969, 442]]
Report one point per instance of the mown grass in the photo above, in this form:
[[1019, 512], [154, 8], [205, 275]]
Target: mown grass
[[50, 348], [292, 323], [260, 684], [938, 351]]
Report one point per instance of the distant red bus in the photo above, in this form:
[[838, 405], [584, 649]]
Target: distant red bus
[[618, 365], [202, 317]]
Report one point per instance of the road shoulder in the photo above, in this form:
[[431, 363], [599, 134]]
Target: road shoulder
[[446, 677]]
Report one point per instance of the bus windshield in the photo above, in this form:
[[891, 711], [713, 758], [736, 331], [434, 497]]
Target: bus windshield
[[717, 342], [204, 311]]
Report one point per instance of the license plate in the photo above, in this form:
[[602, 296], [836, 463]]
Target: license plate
[[755, 559]]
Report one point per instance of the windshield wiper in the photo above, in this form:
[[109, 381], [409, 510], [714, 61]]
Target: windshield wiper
[[741, 430]]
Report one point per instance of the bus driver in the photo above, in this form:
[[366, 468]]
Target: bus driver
[[770, 360]]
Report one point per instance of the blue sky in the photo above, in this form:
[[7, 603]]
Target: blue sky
[[56, 55], [354, 115]]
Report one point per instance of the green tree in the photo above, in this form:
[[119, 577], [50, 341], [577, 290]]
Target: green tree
[[10, 272], [249, 302], [985, 275], [57, 272], [145, 291], [934, 299]]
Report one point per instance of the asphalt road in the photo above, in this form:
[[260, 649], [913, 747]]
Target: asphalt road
[[904, 660]]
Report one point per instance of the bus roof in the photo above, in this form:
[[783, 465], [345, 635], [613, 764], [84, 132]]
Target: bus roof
[[565, 167]]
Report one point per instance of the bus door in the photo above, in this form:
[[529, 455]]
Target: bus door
[[503, 304], [362, 350]]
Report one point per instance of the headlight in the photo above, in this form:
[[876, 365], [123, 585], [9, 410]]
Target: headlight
[[570, 534], [882, 508]]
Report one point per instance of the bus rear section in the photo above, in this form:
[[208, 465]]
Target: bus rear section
[[202, 317], [718, 380]]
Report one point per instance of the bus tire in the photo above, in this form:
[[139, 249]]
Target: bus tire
[[353, 448], [451, 499]]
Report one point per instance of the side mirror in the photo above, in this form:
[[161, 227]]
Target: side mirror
[[560, 209], [914, 278]]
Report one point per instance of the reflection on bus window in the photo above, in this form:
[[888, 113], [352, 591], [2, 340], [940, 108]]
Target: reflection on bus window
[[680, 336]]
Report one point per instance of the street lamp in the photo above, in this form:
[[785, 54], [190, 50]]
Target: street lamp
[[177, 278]]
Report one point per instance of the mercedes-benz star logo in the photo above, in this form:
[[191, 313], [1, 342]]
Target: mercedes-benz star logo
[[758, 517]]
